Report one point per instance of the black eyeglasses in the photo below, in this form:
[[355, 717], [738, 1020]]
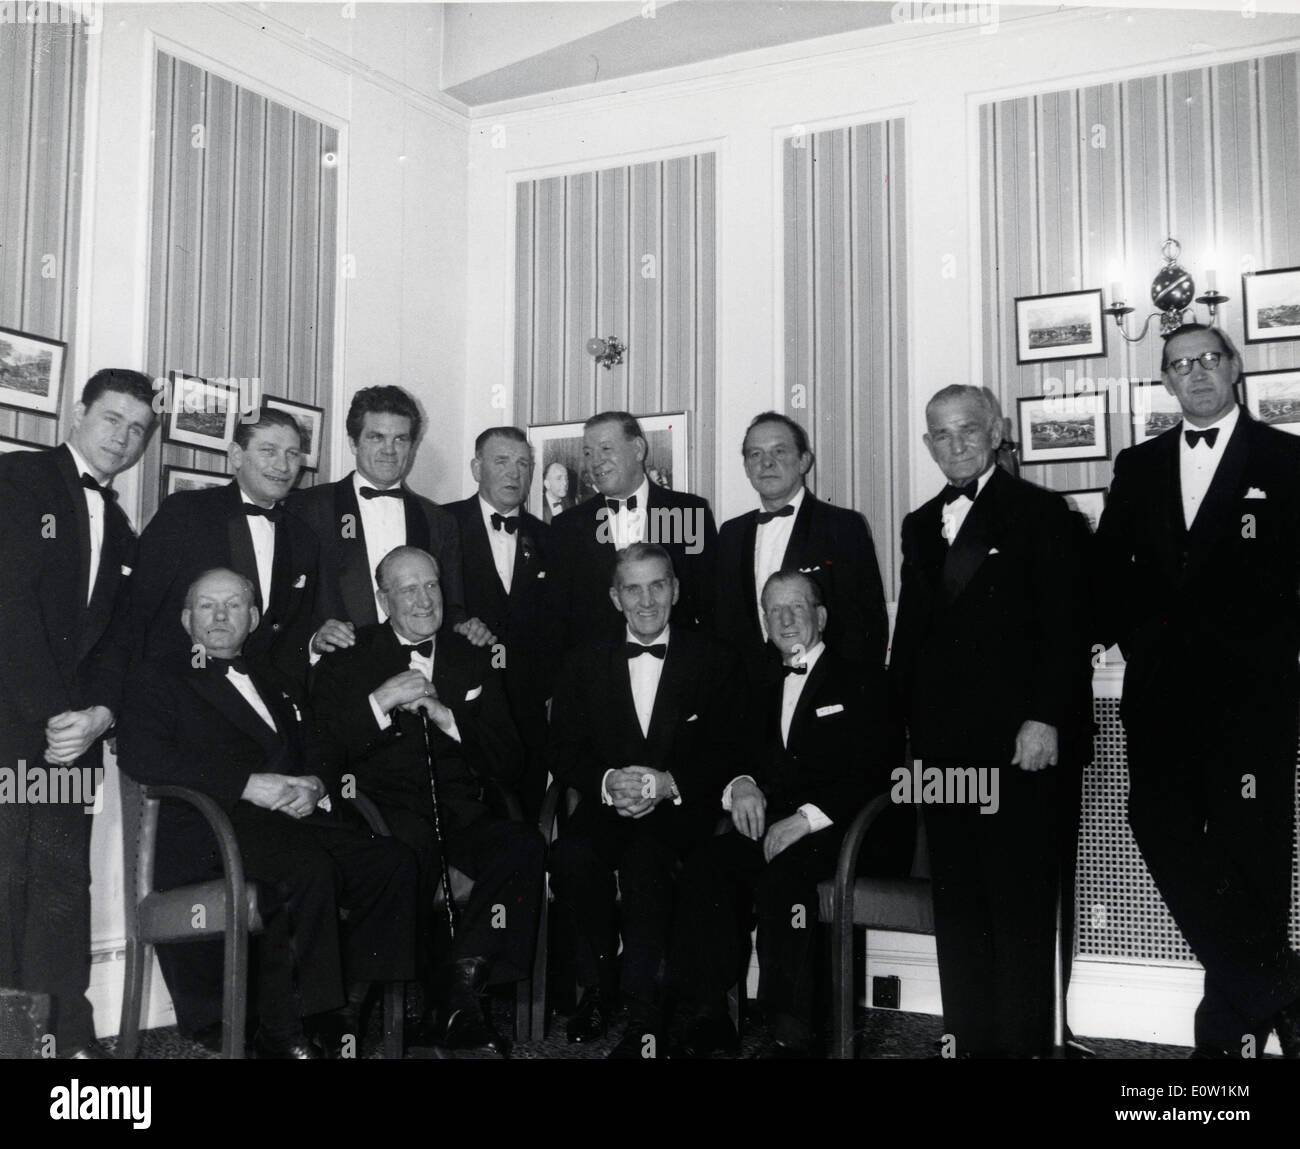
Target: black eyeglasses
[[1208, 359]]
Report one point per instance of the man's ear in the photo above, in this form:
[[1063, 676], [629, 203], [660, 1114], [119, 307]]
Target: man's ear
[[256, 616], [677, 590], [476, 469], [235, 453], [929, 445], [613, 597], [642, 451], [185, 619], [821, 620]]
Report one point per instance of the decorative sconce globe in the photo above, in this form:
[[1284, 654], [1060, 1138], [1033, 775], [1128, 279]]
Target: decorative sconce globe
[[607, 352]]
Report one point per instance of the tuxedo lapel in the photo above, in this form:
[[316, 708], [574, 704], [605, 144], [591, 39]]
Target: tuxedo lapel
[[798, 551], [76, 492], [215, 688], [480, 562], [967, 552], [354, 566], [1218, 507], [417, 526], [243, 559], [666, 711], [281, 569], [807, 696], [623, 704], [749, 591]]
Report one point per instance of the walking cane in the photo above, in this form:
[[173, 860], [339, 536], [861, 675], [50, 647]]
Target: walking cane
[[1058, 985], [437, 829]]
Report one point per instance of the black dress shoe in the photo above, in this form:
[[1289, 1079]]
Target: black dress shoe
[[1212, 1053], [1287, 1024], [208, 1036], [468, 1029], [709, 1035], [590, 1020], [298, 1047], [91, 1051], [780, 1051]]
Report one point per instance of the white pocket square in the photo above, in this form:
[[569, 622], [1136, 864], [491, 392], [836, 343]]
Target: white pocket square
[[1256, 493], [126, 572], [826, 711], [692, 718], [994, 551], [810, 570], [302, 582], [541, 574], [473, 694]]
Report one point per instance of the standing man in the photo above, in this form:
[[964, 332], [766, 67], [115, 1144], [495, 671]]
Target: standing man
[[243, 527], [372, 701], [210, 721], [628, 509], [647, 727], [555, 491], [363, 516], [821, 752], [992, 670], [796, 531], [505, 551], [1200, 549], [65, 550]]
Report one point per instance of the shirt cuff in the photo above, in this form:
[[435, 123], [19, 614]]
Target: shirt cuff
[[726, 793], [384, 721], [605, 799], [816, 819]]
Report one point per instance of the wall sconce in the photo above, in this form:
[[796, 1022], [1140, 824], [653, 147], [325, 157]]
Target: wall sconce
[[1171, 291], [606, 352]]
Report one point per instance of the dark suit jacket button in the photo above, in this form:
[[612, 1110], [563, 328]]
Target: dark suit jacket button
[[275, 626]]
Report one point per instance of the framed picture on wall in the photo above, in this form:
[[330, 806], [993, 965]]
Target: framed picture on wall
[[310, 419], [560, 478], [1273, 397], [1066, 325], [1152, 408], [1063, 428], [31, 371], [189, 479], [8, 444], [1089, 502], [1271, 300], [200, 412]]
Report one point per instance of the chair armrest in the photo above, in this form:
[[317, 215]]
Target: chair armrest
[[846, 871], [232, 861], [550, 808], [514, 811], [370, 812]]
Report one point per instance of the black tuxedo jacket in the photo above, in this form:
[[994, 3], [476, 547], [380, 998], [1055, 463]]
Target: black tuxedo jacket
[[1222, 595], [696, 725], [994, 630], [836, 753], [51, 654], [194, 531], [347, 592], [392, 766], [583, 566], [187, 725], [834, 546], [565, 503], [519, 619]]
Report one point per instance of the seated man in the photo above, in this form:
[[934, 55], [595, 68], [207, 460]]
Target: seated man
[[647, 728], [820, 754], [408, 696], [208, 721]]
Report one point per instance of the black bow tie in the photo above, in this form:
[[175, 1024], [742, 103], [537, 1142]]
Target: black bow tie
[[659, 649], [252, 510], [1194, 437], [767, 516], [615, 504], [508, 524], [376, 493], [423, 649], [90, 485], [786, 671], [952, 493], [221, 665]]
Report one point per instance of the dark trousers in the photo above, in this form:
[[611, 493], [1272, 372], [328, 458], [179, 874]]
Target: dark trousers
[[45, 909], [724, 882], [646, 853], [1221, 857], [995, 880], [307, 873], [529, 715], [505, 861]]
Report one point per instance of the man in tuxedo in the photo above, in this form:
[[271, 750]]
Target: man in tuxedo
[[647, 728], [796, 531], [820, 753], [555, 491], [409, 697], [65, 550], [505, 551], [242, 527], [1200, 551], [992, 669], [213, 722], [628, 509], [363, 516]]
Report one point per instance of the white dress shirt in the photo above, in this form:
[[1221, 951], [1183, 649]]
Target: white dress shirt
[[383, 522], [425, 667], [503, 543], [628, 527], [791, 691], [770, 542], [241, 682], [1197, 465], [644, 673], [953, 516], [262, 531], [95, 509]]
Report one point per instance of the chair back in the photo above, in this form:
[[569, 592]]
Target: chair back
[[139, 837]]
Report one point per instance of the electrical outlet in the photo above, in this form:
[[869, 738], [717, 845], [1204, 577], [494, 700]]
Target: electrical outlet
[[886, 992]]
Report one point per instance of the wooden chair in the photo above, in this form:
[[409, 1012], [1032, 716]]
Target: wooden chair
[[230, 909]]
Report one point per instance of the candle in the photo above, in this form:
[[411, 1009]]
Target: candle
[[1210, 282], [1117, 292]]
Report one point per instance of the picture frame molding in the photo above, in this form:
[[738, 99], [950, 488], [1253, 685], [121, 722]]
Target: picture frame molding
[[311, 461], [1249, 310], [183, 438], [1031, 456], [1096, 347], [51, 405]]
